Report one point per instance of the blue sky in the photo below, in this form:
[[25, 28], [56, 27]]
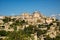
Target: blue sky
[[17, 7]]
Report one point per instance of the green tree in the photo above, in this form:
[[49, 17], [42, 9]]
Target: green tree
[[28, 30], [6, 19], [3, 33], [17, 35]]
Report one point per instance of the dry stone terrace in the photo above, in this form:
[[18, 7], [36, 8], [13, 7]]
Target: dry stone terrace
[[39, 21]]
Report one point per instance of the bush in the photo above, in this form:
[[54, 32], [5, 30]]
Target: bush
[[3, 33]]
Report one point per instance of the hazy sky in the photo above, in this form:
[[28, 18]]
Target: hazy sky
[[46, 7]]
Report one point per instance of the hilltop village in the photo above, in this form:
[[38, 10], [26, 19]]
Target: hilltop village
[[27, 26]]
